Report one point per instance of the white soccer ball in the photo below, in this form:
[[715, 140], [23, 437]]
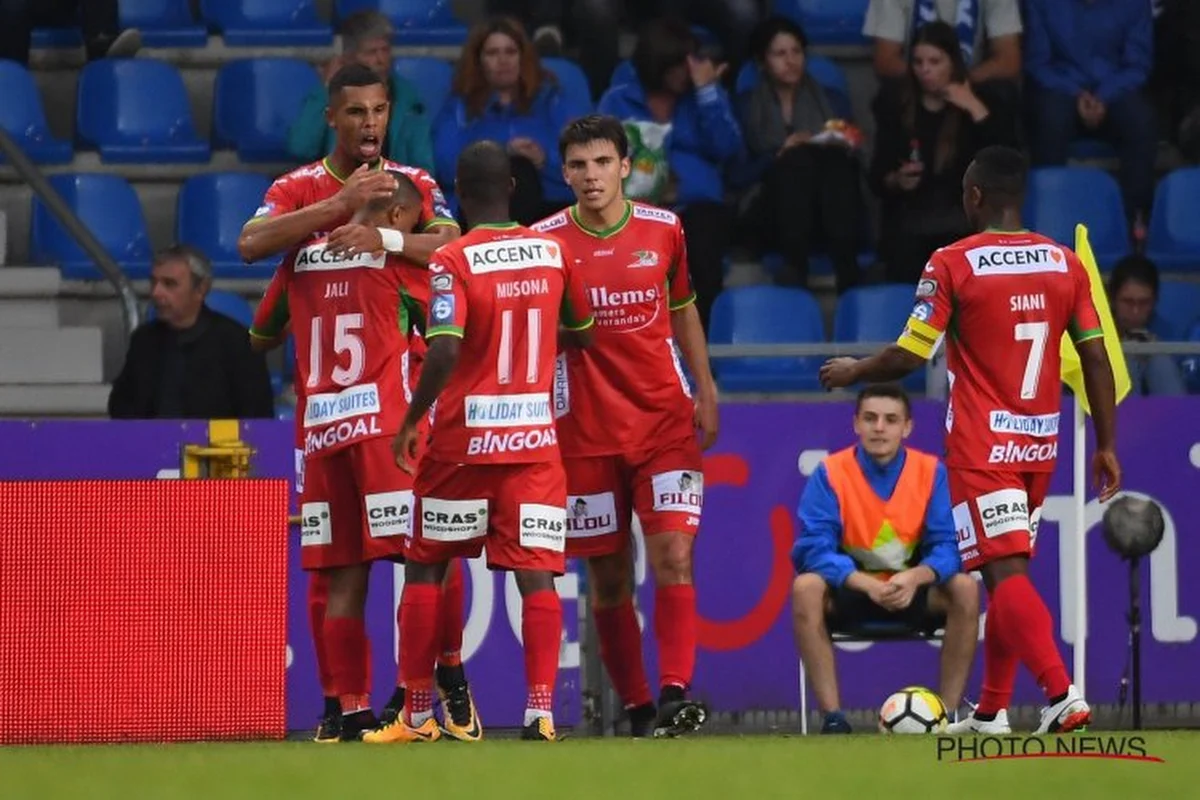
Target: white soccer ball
[[913, 709]]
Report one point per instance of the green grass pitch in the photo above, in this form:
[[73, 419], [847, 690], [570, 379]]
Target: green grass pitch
[[755, 767]]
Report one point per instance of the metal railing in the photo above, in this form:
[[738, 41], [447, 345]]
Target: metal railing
[[74, 227]]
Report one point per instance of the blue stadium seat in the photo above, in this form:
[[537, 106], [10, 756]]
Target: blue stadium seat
[[1173, 239], [211, 211], [267, 23], [137, 111], [766, 315], [417, 22], [1058, 198], [1086, 148], [1177, 308], [110, 209], [23, 117], [50, 38], [163, 23], [255, 102], [230, 304], [827, 21], [876, 314], [432, 78], [573, 83]]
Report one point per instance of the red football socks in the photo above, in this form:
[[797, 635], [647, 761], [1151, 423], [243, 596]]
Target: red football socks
[[999, 666], [450, 617], [348, 651], [541, 631], [419, 638], [621, 652], [675, 629], [1029, 632], [318, 596]]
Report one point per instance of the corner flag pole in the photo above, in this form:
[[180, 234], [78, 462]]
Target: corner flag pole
[[1079, 472]]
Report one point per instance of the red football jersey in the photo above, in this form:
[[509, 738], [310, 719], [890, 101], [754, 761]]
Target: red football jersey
[[504, 289], [350, 321], [318, 181], [1002, 301], [627, 390]]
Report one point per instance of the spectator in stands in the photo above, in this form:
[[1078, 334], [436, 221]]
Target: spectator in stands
[[190, 362], [926, 136], [596, 25], [544, 20], [367, 40], [1177, 72], [878, 544], [1133, 292], [988, 32], [682, 136], [1088, 62], [804, 192], [502, 93], [97, 21]]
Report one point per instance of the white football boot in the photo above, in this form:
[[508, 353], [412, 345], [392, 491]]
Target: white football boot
[[970, 726], [1071, 714]]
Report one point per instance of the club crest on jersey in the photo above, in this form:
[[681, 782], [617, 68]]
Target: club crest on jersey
[[264, 210], [927, 287], [442, 309], [645, 258], [441, 283], [922, 311]]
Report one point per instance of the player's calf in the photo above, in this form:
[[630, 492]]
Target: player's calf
[[675, 623]]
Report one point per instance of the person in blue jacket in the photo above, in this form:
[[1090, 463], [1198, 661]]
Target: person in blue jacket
[[878, 544], [683, 136], [366, 40], [502, 93]]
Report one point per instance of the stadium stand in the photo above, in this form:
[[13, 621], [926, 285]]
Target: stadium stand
[[766, 315], [432, 77], [164, 23], [23, 116], [109, 207], [1174, 238], [418, 22], [837, 22], [267, 23], [876, 314], [212, 209], [1060, 197], [255, 100]]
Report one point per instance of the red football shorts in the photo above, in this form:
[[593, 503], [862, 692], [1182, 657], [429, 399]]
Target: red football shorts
[[996, 513], [517, 512], [356, 506], [664, 486]]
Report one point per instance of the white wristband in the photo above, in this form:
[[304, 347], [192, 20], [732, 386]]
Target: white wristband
[[393, 240]]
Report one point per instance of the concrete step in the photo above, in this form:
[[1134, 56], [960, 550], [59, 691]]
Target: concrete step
[[51, 355], [20, 282], [28, 313], [54, 400]]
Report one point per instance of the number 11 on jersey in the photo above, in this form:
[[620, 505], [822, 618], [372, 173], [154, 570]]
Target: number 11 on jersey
[[533, 346]]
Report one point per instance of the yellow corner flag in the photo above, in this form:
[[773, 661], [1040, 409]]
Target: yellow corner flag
[[1072, 371]]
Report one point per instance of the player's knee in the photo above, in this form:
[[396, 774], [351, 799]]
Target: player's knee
[[415, 572], [963, 594], [531, 581], [671, 557], [347, 590], [611, 581], [808, 598]]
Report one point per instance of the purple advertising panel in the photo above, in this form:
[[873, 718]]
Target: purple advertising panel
[[753, 480]]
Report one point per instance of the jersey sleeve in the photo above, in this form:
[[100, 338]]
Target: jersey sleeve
[[932, 310], [435, 210], [283, 196], [414, 296], [272, 315], [576, 312], [679, 279], [447, 297], [1085, 320]]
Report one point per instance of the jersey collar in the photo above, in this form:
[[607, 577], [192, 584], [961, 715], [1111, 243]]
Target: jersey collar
[[325, 162], [607, 232]]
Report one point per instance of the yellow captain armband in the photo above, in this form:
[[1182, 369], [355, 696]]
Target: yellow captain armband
[[919, 338]]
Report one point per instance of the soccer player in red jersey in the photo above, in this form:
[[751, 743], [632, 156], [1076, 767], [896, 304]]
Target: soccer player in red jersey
[[492, 475], [627, 422], [308, 203], [1003, 299], [271, 321]]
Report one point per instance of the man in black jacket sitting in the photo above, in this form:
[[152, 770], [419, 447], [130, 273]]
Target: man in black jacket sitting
[[190, 362]]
